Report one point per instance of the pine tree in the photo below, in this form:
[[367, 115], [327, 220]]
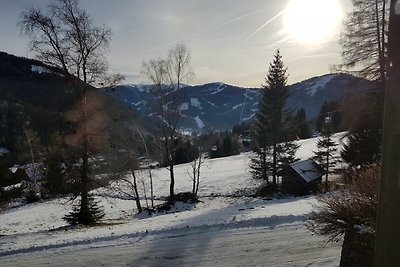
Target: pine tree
[[303, 128], [95, 213], [287, 153], [327, 148], [364, 43], [271, 146], [363, 148]]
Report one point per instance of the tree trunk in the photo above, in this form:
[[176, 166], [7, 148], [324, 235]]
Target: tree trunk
[[274, 161], [172, 184], [327, 164], [151, 187], [84, 209], [137, 199], [198, 175], [357, 250], [194, 177]]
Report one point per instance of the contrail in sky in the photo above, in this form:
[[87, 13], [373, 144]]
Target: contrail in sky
[[265, 24], [208, 31]]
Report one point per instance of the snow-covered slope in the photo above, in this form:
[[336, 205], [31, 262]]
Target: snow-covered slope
[[221, 106], [39, 227]]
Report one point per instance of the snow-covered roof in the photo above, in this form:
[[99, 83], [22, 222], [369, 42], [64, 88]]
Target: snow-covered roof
[[3, 151], [34, 171], [307, 169]]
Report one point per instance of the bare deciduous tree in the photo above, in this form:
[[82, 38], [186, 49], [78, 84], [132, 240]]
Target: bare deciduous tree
[[364, 40], [179, 65], [162, 72], [196, 165], [64, 36]]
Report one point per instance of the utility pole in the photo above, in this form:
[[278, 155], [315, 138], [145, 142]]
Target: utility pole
[[387, 241]]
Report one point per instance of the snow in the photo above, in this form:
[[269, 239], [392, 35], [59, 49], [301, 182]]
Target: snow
[[249, 118], [36, 233], [40, 69], [14, 168], [184, 106], [219, 89], [194, 102], [320, 83], [235, 107], [199, 122], [212, 104], [3, 151], [307, 170]]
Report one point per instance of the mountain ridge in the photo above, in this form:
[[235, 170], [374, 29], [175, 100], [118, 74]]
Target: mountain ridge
[[220, 106]]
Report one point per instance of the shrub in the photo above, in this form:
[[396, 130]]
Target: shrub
[[7, 195], [351, 212], [32, 197]]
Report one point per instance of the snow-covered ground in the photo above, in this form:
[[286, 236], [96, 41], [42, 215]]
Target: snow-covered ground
[[35, 230]]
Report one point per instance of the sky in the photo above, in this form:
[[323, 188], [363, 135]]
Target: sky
[[231, 41]]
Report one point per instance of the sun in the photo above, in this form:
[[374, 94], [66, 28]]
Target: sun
[[312, 21]]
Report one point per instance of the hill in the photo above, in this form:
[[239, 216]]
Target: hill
[[223, 209], [219, 106], [36, 96]]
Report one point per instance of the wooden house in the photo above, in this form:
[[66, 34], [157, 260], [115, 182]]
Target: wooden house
[[302, 177]]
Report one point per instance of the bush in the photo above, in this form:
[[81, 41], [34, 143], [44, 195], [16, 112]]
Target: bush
[[7, 195], [351, 212], [32, 197], [186, 197]]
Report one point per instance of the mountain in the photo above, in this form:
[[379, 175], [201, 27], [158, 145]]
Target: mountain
[[36, 96], [219, 106]]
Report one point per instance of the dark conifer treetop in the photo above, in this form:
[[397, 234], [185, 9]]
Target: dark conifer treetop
[[277, 77]]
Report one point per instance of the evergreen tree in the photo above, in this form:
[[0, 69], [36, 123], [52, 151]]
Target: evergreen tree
[[303, 128], [55, 168], [226, 145], [363, 148], [95, 213], [331, 109], [363, 118], [364, 43], [287, 153], [327, 148], [271, 134]]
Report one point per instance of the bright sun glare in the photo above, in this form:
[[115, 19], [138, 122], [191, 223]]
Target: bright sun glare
[[312, 21]]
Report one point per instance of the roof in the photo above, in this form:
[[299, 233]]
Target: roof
[[3, 151], [309, 170]]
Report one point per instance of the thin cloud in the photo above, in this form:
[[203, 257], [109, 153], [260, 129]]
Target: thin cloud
[[265, 24], [188, 38]]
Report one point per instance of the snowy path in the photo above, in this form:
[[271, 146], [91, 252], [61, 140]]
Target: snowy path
[[284, 245]]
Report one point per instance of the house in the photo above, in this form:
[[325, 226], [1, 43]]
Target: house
[[301, 177], [28, 175]]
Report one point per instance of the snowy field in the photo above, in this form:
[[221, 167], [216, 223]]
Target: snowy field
[[222, 230]]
